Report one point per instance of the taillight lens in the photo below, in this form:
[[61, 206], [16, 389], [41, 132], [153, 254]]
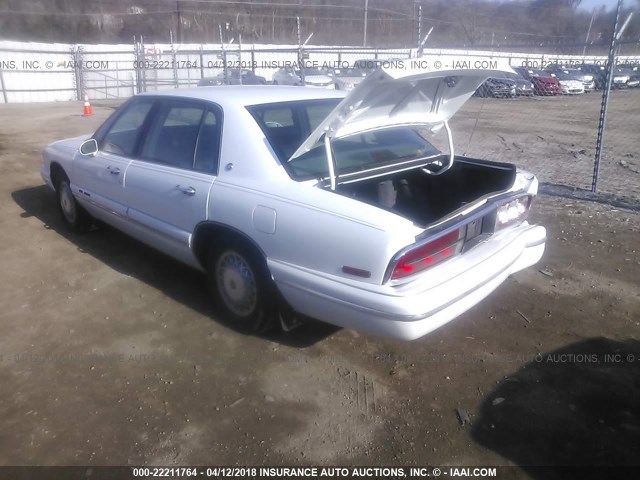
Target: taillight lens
[[513, 212], [429, 254]]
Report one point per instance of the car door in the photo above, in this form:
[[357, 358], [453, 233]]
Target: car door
[[167, 185], [99, 180]]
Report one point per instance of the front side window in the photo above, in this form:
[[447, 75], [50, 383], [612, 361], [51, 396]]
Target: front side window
[[123, 135], [286, 126]]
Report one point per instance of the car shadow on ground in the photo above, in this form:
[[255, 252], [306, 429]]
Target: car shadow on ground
[[130, 257], [576, 406]]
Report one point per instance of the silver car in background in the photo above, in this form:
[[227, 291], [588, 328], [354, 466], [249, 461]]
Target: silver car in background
[[569, 73], [348, 78], [309, 77]]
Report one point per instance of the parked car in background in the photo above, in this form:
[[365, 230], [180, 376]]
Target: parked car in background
[[524, 87], [633, 78], [569, 84], [234, 76], [497, 87], [574, 74], [597, 71], [347, 78], [633, 67], [287, 76], [310, 77], [623, 77], [304, 202], [543, 82]]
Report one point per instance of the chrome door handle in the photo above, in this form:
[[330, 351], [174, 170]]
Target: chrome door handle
[[186, 190], [113, 171]]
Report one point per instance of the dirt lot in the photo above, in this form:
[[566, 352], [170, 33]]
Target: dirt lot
[[111, 355], [556, 137]]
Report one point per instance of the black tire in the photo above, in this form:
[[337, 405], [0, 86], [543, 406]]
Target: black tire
[[73, 215], [241, 286]]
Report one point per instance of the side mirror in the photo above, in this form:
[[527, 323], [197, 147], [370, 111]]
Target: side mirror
[[89, 148]]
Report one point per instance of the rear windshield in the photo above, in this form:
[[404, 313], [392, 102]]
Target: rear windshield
[[287, 125]]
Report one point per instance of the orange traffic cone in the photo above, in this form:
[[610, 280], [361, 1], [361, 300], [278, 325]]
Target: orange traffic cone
[[88, 110]]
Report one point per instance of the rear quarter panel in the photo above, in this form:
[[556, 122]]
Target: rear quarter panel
[[296, 222]]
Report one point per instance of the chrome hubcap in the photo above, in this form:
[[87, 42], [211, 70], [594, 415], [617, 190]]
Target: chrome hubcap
[[67, 202], [236, 283]]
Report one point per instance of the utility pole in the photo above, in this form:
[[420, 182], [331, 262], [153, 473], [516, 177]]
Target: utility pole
[[179, 19], [300, 53], [366, 13], [419, 23], [586, 40]]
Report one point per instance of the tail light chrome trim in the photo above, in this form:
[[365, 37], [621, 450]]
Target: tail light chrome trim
[[459, 237]]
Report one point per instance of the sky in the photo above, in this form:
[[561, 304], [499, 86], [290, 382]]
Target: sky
[[610, 4]]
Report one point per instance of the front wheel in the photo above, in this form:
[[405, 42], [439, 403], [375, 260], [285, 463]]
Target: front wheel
[[75, 217], [240, 286]]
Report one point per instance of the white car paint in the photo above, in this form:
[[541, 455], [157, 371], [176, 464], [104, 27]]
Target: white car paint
[[308, 233], [571, 87]]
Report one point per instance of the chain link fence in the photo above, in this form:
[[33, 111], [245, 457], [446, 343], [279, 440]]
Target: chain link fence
[[545, 119]]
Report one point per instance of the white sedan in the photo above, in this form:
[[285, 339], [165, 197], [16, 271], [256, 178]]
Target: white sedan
[[303, 202], [571, 87]]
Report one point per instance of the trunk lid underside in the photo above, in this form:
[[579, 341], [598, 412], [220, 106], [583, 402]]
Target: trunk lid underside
[[388, 97]]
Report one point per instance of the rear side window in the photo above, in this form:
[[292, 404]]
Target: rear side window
[[122, 137], [184, 135], [172, 137]]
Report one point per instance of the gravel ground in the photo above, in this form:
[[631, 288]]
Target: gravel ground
[[111, 355]]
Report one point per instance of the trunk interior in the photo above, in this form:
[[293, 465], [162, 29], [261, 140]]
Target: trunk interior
[[424, 198]]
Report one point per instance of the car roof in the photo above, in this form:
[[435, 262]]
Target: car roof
[[245, 95]]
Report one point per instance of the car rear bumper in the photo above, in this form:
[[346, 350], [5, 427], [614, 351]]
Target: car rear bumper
[[548, 89], [502, 92], [413, 309]]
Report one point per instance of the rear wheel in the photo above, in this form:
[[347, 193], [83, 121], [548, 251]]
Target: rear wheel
[[75, 217], [241, 287]]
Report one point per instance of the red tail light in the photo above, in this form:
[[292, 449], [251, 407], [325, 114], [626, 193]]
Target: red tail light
[[429, 254]]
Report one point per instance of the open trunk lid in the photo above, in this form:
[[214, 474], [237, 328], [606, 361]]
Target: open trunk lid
[[426, 93]]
